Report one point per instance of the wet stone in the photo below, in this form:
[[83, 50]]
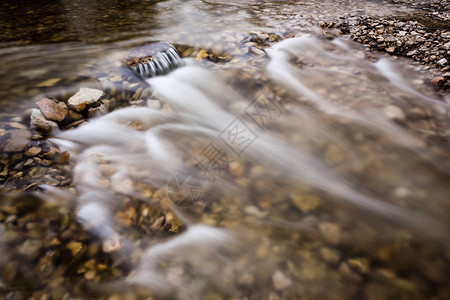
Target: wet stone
[[394, 113], [280, 281], [30, 248], [438, 81], [359, 264], [17, 125], [330, 255], [111, 244], [345, 270], [39, 122], [73, 115], [331, 232], [18, 140], [127, 217], [89, 275], [51, 110], [418, 113], [306, 203], [97, 111], [254, 211], [83, 98], [156, 104], [74, 251], [33, 151]]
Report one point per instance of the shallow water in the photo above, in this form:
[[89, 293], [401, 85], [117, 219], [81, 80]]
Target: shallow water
[[309, 172]]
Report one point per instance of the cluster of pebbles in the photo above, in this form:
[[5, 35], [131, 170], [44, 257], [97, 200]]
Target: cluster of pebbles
[[28, 158], [57, 258], [423, 37]]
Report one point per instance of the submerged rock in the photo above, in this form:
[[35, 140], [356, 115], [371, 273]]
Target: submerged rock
[[280, 281], [18, 140]]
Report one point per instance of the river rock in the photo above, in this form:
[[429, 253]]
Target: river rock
[[97, 111], [280, 281], [33, 151], [156, 104], [438, 81], [74, 116], [394, 113], [83, 98], [30, 248], [331, 232], [18, 140], [39, 122], [362, 265], [306, 203], [51, 110], [442, 62]]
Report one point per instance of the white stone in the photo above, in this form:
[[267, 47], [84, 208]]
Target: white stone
[[394, 112], [442, 62], [156, 104], [280, 281], [84, 97]]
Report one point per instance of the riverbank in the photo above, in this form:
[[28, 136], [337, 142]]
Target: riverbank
[[423, 36]]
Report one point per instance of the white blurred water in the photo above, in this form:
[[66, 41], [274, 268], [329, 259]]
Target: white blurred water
[[382, 175]]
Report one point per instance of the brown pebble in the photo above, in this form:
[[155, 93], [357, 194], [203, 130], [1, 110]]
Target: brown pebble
[[39, 122], [359, 264], [390, 49], [273, 38], [306, 203], [394, 113], [63, 158], [280, 281], [438, 81], [112, 244], [30, 248], [418, 113], [75, 248], [33, 151], [51, 110], [331, 232], [89, 275], [237, 168], [73, 115], [202, 54]]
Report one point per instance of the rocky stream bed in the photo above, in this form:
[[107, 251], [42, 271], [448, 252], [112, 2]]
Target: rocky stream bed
[[336, 250]]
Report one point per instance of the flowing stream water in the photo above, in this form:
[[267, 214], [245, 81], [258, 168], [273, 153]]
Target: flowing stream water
[[308, 171]]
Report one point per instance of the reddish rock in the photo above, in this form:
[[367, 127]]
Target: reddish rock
[[51, 110], [438, 81]]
